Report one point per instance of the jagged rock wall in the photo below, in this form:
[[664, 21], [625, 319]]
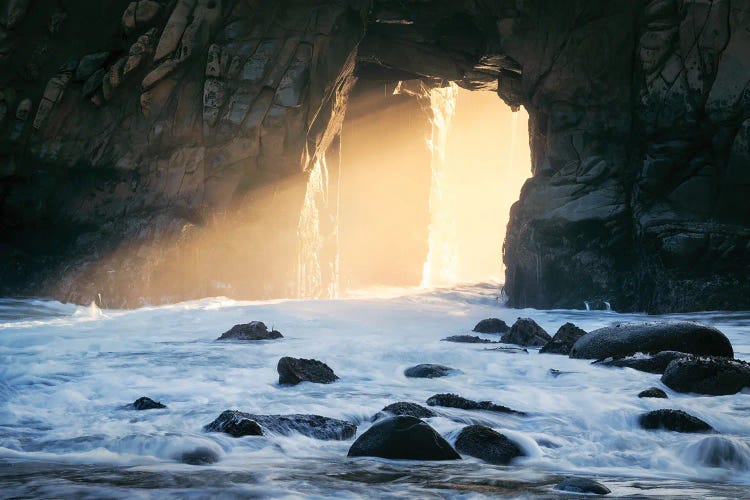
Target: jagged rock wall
[[117, 143]]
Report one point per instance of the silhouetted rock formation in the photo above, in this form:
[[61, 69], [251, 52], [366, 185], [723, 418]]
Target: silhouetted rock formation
[[403, 437], [255, 330], [526, 332], [491, 325], [292, 371], [567, 335]]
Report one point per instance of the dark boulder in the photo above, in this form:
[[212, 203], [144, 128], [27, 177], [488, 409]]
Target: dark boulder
[[403, 408], [582, 485], [199, 456], [491, 325], [427, 370], [456, 401], [649, 363], [467, 339], [403, 437], [563, 341], [145, 403], [292, 371], [526, 332], [235, 423], [314, 426], [627, 339], [255, 330], [653, 392], [673, 420], [708, 375], [488, 445]]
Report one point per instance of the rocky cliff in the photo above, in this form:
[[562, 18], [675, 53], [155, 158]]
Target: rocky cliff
[[134, 135]]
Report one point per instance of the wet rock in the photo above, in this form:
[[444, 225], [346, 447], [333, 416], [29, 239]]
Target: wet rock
[[582, 485], [673, 420], [292, 371], [487, 444], [511, 350], [719, 451], [145, 403], [656, 363], [653, 392], [199, 456], [553, 372], [89, 64], [627, 339], [403, 408], [526, 332], [563, 341], [491, 325], [314, 426], [427, 370], [467, 339], [707, 375], [93, 83], [456, 401], [404, 438], [235, 423], [255, 330]]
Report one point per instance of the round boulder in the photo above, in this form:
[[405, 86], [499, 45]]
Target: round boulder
[[292, 371], [488, 445], [491, 325], [673, 420], [526, 332], [427, 370], [404, 408], [145, 403], [404, 438], [653, 392], [627, 339], [711, 375], [582, 485], [563, 341]]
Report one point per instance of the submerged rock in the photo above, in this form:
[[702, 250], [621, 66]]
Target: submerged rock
[[491, 325], [234, 422], [673, 420], [563, 341], [511, 350], [713, 376], [719, 451], [582, 485], [405, 438], [404, 408], [467, 339], [255, 330], [526, 332], [199, 456], [456, 401], [145, 403], [427, 370], [653, 392], [655, 363], [487, 444], [627, 339], [292, 371]]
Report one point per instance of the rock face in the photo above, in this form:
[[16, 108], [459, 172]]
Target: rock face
[[629, 338], [238, 424], [404, 438], [488, 445], [563, 341], [653, 392], [146, 403], [428, 370], [292, 371], [656, 363], [673, 420], [403, 408], [119, 183], [255, 330], [713, 376], [491, 325], [582, 485], [526, 332], [456, 401]]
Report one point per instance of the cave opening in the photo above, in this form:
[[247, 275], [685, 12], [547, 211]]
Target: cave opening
[[427, 179]]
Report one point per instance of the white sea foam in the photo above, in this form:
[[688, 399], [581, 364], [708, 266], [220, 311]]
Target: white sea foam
[[66, 373]]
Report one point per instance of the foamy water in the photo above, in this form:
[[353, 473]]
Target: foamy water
[[66, 372]]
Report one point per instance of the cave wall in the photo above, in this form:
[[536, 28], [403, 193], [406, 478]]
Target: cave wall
[[119, 143]]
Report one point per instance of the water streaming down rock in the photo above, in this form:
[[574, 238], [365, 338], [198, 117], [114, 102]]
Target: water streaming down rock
[[441, 264]]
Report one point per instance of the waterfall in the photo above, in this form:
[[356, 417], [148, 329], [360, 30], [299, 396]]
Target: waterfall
[[440, 266], [310, 237]]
